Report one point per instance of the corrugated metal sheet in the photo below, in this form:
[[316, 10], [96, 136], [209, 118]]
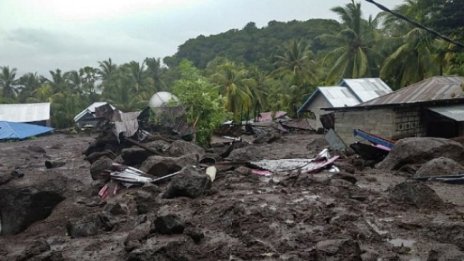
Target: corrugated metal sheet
[[339, 96], [27, 112], [455, 112], [90, 110], [366, 89], [431, 89]]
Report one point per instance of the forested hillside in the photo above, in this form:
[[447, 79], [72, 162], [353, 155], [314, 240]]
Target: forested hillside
[[252, 45], [259, 69]]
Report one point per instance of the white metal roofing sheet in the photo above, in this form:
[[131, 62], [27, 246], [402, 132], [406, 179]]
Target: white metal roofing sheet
[[455, 112], [26, 112], [339, 96], [367, 88], [90, 109]]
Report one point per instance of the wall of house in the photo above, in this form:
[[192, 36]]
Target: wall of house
[[390, 123], [315, 107]]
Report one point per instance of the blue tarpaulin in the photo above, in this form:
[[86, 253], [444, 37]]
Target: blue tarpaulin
[[19, 131]]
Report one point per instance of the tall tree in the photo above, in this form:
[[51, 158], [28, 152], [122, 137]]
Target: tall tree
[[106, 69], [154, 71], [353, 55], [8, 82]]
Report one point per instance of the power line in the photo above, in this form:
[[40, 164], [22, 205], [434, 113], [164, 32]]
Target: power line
[[446, 38]]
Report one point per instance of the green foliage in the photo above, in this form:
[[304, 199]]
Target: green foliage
[[205, 108]]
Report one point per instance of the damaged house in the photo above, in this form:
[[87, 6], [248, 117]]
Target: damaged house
[[432, 107], [350, 92], [87, 117]]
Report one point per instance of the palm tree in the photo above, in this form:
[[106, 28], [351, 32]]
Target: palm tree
[[28, 83], [137, 74], [238, 97], [8, 82], [58, 81], [107, 69], [154, 72], [353, 55]]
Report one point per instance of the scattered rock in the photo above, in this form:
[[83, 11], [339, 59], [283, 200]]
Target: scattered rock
[[160, 166], [190, 184], [37, 247], [416, 194], [88, 226], [338, 249], [17, 173], [135, 237], [20, 207], [420, 150], [266, 137], [36, 148], [179, 148], [440, 167], [195, 234], [160, 146], [168, 225], [249, 153], [97, 169], [444, 252], [115, 209], [134, 156], [96, 155]]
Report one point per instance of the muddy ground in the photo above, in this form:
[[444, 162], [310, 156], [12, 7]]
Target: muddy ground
[[324, 216]]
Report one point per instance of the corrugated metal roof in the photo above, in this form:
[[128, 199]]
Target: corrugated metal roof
[[455, 112], [26, 112], [90, 109], [367, 89], [339, 96], [431, 89]]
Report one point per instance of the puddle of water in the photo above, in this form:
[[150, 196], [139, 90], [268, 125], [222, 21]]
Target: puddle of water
[[398, 242]]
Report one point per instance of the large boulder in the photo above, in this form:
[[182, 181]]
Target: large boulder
[[440, 167], [99, 167], [180, 147], [168, 224], [416, 194], [22, 206], [190, 183], [160, 166], [420, 150], [134, 156]]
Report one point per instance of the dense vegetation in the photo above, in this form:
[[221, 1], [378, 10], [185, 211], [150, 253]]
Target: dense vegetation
[[255, 69]]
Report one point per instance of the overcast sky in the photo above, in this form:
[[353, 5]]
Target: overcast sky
[[42, 35]]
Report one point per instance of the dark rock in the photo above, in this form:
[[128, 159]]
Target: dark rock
[[50, 164], [17, 173], [190, 183], [98, 169], [88, 226], [249, 153], [134, 156], [168, 225], [115, 209], [416, 194], [160, 146], [346, 166], [20, 207], [444, 252], [37, 247], [51, 256], [195, 234], [160, 166], [4, 179], [338, 249], [96, 155], [136, 236], [420, 150], [440, 167], [179, 148], [36, 148], [345, 176]]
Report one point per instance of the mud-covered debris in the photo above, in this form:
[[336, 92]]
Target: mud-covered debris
[[266, 136], [338, 249], [35, 248], [36, 148], [136, 236], [440, 167], [190, 183], [115, 209], [416, 194], [88, 226], [420, 150], [134, 156], [168, 224], [96, 155], [50, 164], [98, 169]]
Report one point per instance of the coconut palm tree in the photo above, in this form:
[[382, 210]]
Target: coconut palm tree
[[8, 82], [353, 55], [107, 69], [154, 71]]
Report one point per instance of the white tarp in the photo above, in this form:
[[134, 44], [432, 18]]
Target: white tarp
[[26, 112]]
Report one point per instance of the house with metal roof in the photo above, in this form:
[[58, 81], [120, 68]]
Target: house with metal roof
[[350, 92], [432, 107], [35, 113], [87, 117]]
